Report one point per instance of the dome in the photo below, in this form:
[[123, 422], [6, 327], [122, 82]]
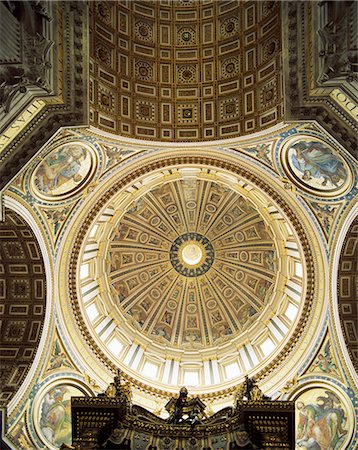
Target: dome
[[191, 264], [189, 273]]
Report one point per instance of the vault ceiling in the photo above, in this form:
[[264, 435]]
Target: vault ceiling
[[185, 70], [23, 296], [182, 262], [347, 291]]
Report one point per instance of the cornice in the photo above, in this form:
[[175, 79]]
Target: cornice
[[307, 97], [18, 144]]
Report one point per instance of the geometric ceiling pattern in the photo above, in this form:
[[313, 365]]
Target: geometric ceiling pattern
[[185, 70], [22, 302], [348, 291], [187, 275], [191, 261]]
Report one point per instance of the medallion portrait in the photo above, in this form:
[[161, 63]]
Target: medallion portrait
[[55, 414], [316, 166], [321, 421], [64, 171]]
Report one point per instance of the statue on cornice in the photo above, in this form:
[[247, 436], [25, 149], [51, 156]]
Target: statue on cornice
[[184, 410], [32, 69], [118, 389], [176, 415], [249, 391], [338, 53]]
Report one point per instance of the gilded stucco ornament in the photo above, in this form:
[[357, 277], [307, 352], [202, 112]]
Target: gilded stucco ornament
[[125, 237]]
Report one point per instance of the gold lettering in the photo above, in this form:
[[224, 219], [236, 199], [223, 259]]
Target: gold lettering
[[20, 122], [345, 102]]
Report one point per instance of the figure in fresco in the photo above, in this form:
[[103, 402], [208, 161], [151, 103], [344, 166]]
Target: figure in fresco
[[121, 289], [324, 362], [60, 167], [314, 160], [321, 424], [55, 419], [162, 332], [58, 358]]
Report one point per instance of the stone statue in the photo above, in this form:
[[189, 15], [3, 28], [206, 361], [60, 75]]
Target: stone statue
[[111, 391], [176, 415], [249, 391], [194, 416], [256, 393], [249, 384], [184, 410], [240, 393]]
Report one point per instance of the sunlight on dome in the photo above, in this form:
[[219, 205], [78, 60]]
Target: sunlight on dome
[[291, 311], [267, 347], [191, 378], [150, 370], [92, 312], [84, 271], [232, 370], [115, 346]]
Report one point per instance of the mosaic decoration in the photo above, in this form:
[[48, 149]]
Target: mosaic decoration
[[262, 152], [59, 358], [321, 421], [316, 166], [115, 154], [325, 362], [55, 415], [65, 171], [19, 434], [191, 254], [57, 217], [326, 214]]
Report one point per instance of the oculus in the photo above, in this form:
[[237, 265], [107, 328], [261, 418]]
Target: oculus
[[191, 254]]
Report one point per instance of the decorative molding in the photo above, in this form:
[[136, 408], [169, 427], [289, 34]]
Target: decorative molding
[[305, 96], [36, 123]]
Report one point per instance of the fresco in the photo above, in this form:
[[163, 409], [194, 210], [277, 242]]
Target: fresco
[[316, 165], [64, 170], [55, 414], [321, 421]]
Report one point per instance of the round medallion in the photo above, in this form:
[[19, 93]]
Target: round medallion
[[316, 166], [186, 36], [191, 254], [229, 27], [143, 31], [64, 171]]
